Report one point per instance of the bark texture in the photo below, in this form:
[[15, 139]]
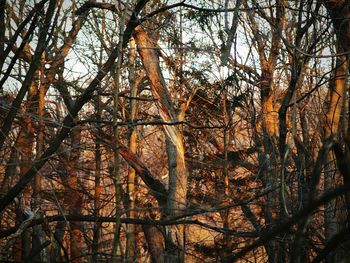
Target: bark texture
[[178, 173]]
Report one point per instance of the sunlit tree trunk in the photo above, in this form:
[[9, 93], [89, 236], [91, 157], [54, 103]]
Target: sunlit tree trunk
[[38, 232], [331, 177], [25, 148], [268, 157], [336, 101], [178, 173], [131, 252], [339, 10]]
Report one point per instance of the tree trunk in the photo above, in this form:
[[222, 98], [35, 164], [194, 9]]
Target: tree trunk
[[38, 233], [131, 251], [98, 186], [155, 242], [339, 11], [25, 145], [74, 196], [178, 173], [337, 91]]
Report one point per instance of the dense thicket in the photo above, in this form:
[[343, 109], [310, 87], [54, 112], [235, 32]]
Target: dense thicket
[[164, 131]]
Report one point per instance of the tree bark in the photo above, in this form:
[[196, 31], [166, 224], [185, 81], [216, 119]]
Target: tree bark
[[155, 242], [268, 157], [339, 11], [74, 196], [131, 251], [178, 173]]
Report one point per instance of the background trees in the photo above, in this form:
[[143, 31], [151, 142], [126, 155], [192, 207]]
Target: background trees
[[230, 118]]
